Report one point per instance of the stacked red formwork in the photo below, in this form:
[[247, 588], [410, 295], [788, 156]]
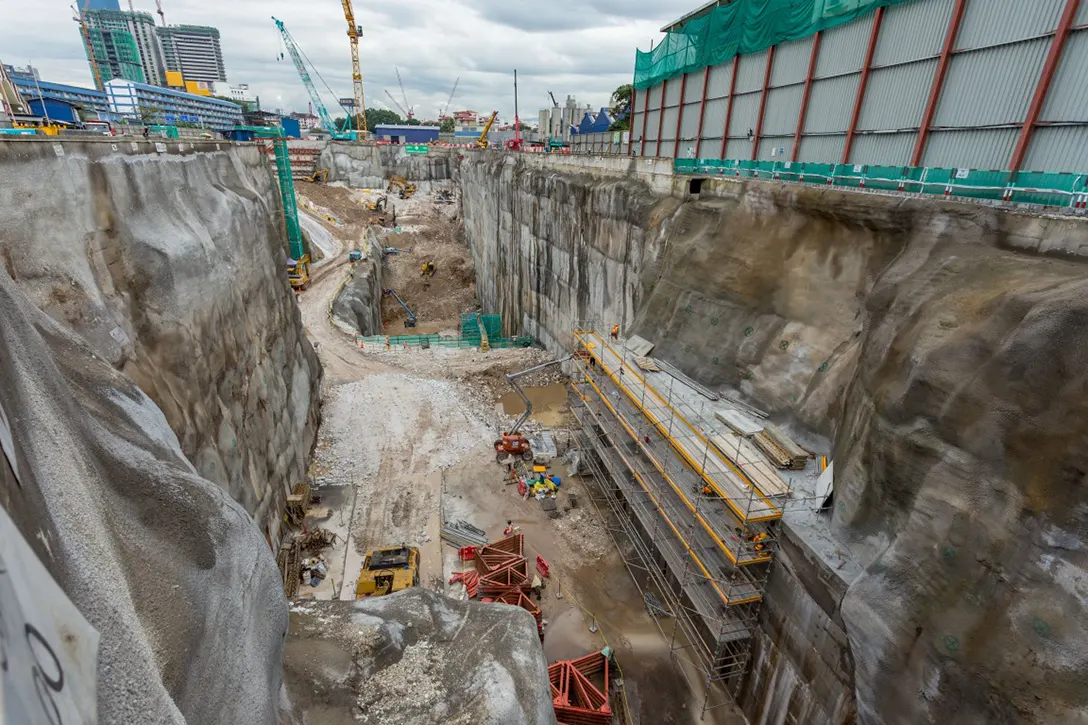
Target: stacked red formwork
[[575, 697], [502, 566], [517, 598]]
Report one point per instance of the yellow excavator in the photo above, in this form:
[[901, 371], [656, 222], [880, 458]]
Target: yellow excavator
[[482, 142], [403, 187], [388, 570]]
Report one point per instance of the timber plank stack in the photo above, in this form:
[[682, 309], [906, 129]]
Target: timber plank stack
[[782, 451]]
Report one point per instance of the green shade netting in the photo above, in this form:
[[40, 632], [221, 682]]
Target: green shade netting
[[743, 26]]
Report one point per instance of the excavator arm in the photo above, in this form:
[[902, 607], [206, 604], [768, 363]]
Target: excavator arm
[[513, 380]]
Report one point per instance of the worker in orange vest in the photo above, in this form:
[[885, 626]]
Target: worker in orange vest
[[615, 332]]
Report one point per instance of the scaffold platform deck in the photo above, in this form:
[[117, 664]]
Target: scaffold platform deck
[[725, 479]]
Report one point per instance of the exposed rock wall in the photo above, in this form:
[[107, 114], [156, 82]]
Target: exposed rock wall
[[417, 657], [357, 308], [170, 267], [940, 344], [365, 166], [158, 389]]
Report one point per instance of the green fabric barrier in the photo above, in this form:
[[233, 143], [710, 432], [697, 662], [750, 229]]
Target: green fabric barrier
[[1028, 187], [743, 26]]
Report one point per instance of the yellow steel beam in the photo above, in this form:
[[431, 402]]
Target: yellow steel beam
[[679, 537], [672, 484], [774, 512]]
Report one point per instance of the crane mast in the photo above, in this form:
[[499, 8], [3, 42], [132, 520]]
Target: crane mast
[[315, 97], [82, 20], [354, 31]]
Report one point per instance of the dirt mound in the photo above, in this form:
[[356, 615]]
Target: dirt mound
[[437, 300]]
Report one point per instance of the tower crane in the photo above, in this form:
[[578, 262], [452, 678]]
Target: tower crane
[[397, 104], [80, 18], [158, 9], [409, 112], [354, 31], [446, 108], [315, 97]]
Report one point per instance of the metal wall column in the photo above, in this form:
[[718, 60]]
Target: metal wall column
[[679, 116], [938, 81], [645, 116], [661, 116], [729, 105], [631, 121], [804, 98], [878, 19], [702, 111], [1037, 101], [763, 102]]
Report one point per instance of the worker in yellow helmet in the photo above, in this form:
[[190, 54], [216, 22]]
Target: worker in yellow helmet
[[615, 332]]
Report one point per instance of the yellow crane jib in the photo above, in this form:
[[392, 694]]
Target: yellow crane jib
[[482, 141]]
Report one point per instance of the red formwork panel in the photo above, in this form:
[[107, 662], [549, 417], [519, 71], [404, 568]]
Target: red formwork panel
[[517, 598], [575, 697]]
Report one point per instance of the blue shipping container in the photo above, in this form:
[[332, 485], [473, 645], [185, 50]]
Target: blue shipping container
[[291, 128]]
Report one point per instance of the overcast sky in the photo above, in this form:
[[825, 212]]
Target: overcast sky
[[583, 48]]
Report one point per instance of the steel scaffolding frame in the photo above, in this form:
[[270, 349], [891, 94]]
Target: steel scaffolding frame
[[690, 526]]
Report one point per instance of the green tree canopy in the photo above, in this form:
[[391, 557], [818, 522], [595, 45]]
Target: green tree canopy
[[621, 108]]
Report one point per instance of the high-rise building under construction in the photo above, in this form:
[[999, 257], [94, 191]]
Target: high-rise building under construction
[[125, 45], [193, 51]]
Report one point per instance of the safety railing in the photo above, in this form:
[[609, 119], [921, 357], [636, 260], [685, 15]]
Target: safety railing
[[1023, 187]]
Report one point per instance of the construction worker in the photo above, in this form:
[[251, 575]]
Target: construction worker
[[423, 269], [615, 332], [707, 490], [759, 541]]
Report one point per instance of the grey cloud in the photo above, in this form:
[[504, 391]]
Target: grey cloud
[[584, 49]]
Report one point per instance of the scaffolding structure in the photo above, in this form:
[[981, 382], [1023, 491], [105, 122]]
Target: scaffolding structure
[[695, 530]]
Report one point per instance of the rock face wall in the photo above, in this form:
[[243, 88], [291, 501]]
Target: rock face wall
[[417, 657], [370, 167], [938, 343], [357, 308], [170, 267], [155, 390]]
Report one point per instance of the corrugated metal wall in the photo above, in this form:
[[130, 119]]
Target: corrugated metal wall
[[992, 74]]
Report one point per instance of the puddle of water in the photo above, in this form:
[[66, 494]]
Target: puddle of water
[[549, 403]]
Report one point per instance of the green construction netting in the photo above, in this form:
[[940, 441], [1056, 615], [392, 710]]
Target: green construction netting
[[1025, 187], [744, 26]]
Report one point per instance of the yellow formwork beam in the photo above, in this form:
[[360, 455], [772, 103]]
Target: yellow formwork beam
[[773, 512], [726, 599], [730, 554]]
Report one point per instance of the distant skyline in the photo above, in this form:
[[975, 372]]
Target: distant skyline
[[585, 49]]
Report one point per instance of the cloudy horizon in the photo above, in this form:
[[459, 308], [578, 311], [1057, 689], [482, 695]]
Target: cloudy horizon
[[583, 49]]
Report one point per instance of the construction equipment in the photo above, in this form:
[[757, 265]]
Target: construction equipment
[[298, 264], [514, 144], [411, 321], [321, 175], [158, 9], [514, 443], [388, 570], [555, 103], [378, 205], [404, 187], [354, 32], [409, 112], [315, 97], [446, 108], [482, 142], [85, 31]]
